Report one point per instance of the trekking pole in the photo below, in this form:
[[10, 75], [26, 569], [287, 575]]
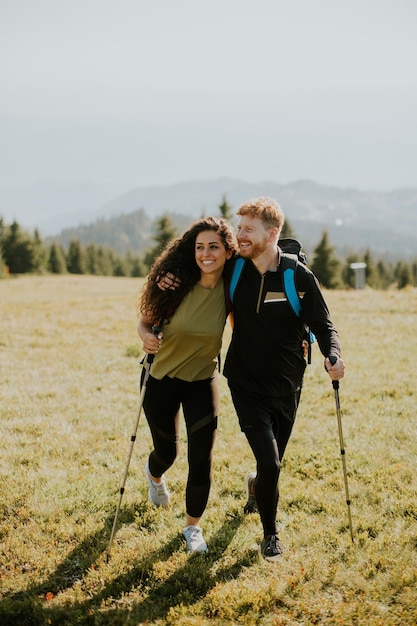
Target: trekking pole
[[335, 384], [149, 360]]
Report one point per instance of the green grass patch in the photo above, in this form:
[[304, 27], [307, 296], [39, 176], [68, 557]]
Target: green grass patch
[[69, 391]]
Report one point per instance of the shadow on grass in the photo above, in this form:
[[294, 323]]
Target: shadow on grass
[[186, 585], [26, 607]]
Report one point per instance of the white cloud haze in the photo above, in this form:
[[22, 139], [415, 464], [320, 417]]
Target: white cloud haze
[[134, 93]]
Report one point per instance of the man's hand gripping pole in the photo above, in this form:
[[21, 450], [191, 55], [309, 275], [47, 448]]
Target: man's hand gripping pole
[[335, 384]]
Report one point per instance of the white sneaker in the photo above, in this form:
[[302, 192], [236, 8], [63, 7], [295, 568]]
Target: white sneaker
[[158, 492], [194, 538]]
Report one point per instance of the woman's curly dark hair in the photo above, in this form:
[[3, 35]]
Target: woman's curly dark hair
[[178, 258]]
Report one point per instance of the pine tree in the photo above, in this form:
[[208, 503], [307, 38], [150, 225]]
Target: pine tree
[[106, 261], [287, 231], [414, 272], [90, 258], [326, 265], [385, 274], [226, 210], [403, 274], [165, 231], [3, 271], [19, 251], [56, 260], [135, 265], [371, 271], [40, 255], [76, 258], [120, 267]]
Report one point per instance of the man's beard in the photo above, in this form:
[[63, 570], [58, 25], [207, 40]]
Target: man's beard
[[255, 250]]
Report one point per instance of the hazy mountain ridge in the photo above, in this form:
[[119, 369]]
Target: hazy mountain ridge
[[299, 200], [384, 222], [380, 218]]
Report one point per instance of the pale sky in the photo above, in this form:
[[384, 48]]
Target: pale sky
[[150, 93]]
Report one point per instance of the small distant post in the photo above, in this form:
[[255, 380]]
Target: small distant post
[[359, 269]]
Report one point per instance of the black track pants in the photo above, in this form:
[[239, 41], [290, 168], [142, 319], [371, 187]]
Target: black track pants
[[267, 423], [199, 401], [268, 466]]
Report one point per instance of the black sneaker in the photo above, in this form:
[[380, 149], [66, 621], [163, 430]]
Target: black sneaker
[[251, 505], [272, 549]]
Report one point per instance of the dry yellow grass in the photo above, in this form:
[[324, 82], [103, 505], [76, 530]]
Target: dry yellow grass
[[69, 358]]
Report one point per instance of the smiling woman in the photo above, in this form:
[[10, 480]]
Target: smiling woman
[[184, 366], [210, 255]]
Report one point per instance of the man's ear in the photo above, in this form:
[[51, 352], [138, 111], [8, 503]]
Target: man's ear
[[273, 233]]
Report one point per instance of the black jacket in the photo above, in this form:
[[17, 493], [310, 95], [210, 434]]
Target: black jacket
[[265, 353]]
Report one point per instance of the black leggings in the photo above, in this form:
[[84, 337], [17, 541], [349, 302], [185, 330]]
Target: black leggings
[[199, 401]]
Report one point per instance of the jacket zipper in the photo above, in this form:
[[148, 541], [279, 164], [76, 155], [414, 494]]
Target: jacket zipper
[[261, 288]]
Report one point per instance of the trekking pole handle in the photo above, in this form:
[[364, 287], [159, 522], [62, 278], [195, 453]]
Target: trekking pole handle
[[156, 329], [333, 359]]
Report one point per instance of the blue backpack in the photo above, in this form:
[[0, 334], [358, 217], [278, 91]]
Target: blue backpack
[[292, 254]]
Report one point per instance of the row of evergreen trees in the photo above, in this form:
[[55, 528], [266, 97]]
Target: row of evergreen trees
[[21, 252]]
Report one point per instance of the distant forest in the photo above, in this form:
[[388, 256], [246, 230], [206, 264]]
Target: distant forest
[[128, 245]]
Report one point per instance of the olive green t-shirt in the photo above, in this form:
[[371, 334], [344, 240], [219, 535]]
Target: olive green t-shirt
[[193, 336]]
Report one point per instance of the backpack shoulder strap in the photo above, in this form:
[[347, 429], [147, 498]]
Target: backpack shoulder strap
[[289, 265], [237, 271]]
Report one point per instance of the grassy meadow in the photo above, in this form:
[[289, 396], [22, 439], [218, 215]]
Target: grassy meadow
[[69, 390]]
